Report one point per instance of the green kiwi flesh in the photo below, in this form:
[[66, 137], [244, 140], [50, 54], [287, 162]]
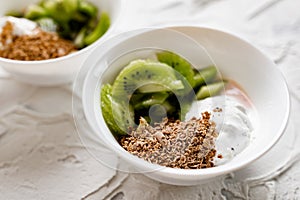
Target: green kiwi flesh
[[179, 64], [145, 76], [116, 116], [210, 90], [149, 99], [205, 75]]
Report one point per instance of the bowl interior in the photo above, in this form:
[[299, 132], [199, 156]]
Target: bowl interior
[[235, 58]]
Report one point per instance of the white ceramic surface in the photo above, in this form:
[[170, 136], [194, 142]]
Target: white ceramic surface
[[60, 70], [236, 59]]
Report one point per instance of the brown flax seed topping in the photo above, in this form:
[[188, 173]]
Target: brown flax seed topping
[[185, 145], [40, 46]]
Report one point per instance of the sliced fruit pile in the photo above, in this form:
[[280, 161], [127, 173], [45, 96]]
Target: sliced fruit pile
[[154, 90], [75, 20]]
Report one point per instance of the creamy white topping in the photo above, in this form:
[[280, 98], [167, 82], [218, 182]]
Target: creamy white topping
[[21, 26], [232, 122]]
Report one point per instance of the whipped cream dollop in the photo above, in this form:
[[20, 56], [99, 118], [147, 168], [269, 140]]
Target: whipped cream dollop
[[232, 118], [21, 26]]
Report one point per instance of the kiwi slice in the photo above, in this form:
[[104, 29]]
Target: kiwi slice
[[210, 90], [118, 117], [205, 75], [145, 76], [99, 30], [151, 88], [179, 64], [148, 99]]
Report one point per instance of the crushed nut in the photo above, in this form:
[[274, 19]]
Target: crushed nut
[[185, 145], [40, 46]]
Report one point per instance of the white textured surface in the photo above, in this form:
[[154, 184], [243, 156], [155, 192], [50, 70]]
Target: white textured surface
[[41, 156]]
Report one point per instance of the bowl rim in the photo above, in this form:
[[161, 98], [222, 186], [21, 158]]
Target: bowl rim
[[215, 171], [104, 37]]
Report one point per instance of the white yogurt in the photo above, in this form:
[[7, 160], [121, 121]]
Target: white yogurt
[[233, 123], [21, 26]]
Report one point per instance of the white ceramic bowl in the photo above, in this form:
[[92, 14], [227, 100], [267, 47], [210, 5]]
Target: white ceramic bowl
[[236, 58], [60, 70]]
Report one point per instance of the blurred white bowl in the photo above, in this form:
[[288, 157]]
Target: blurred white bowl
[[235, 58], [59, 70]]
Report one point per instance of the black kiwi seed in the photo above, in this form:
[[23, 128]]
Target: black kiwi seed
[[137, 73], [149, 76], [124, 77], [132, 75]]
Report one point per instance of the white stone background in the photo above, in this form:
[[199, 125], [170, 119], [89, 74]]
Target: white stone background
[[41, 156]]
